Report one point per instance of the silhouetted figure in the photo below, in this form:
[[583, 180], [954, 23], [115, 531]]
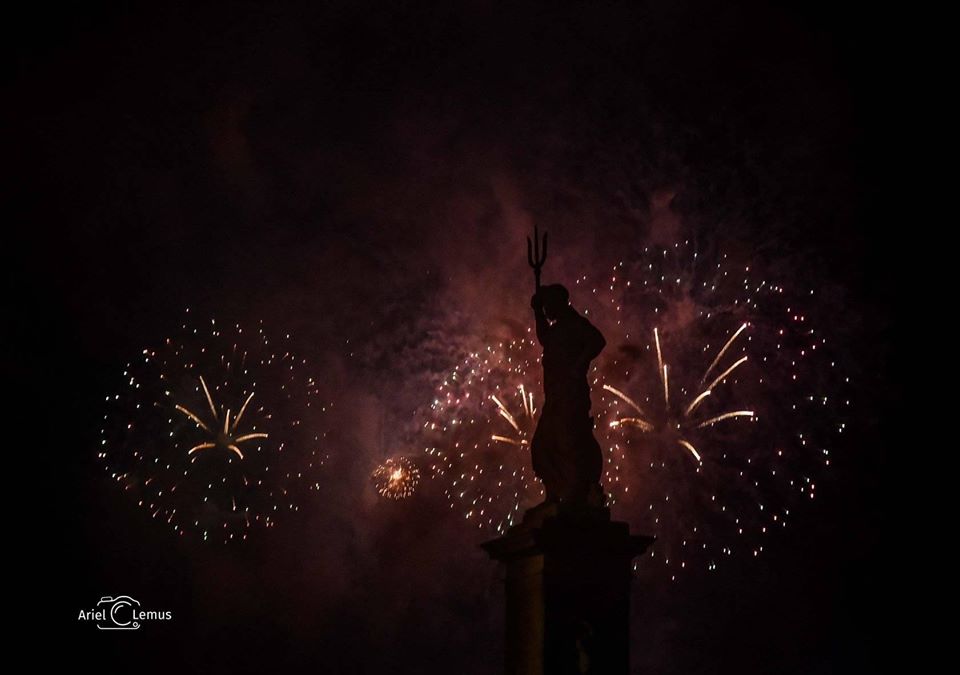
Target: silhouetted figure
[[567, 563], [566, 456]]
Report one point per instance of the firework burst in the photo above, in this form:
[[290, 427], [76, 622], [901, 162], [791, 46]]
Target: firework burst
[[207, 434], [726, 413], [396, 478]]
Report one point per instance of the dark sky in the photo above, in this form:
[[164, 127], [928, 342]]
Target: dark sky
[[361, 175]]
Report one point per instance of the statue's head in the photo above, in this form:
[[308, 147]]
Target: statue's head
[[555, 298]]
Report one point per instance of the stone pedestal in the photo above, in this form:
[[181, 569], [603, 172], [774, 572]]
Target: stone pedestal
[[568, 592]]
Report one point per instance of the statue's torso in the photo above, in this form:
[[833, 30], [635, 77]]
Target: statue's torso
[[565, 385]]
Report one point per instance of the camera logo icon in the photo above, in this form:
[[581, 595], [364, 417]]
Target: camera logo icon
[[119, 613]]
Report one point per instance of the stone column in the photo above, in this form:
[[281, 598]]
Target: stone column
[[568, 592]]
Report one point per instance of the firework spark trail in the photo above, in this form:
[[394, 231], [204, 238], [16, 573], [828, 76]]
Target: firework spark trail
[[243, 409], [689, 446], [200, 422], [218, 478], [697, 401], [720, 354], [624, 397], [505, 413], [722, 376]]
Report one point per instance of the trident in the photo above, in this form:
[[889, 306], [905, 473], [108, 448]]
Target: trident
[[536, 255]]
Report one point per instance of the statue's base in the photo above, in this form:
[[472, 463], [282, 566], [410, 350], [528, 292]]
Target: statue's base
[[567, 591]]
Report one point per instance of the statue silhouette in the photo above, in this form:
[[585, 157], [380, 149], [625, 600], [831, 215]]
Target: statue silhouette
[[568, 564], [566, 456]]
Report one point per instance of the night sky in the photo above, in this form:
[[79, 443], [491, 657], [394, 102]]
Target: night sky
[[361, 175]]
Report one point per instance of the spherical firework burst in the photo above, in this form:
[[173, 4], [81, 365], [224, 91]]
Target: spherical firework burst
[[208, 432], [396, 478], [725, 399], [479, 426]]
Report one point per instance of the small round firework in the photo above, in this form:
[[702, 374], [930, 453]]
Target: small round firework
[[396, 478]]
